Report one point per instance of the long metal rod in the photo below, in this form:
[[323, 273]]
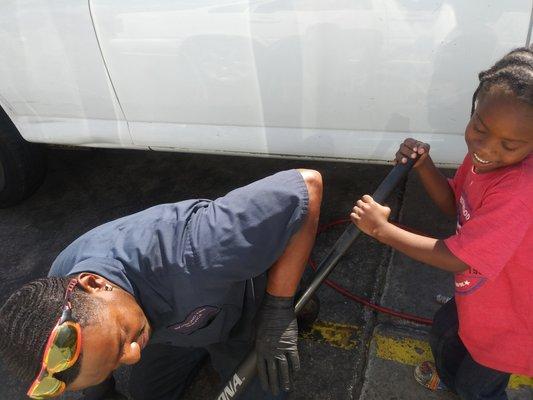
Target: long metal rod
[[247, 369]]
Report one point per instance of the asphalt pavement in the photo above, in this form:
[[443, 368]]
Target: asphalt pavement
[[351, 352]]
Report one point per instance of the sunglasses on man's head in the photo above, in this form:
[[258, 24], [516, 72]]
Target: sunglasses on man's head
[[61, 352]]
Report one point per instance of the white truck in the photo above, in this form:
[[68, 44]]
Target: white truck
[[319, 79]]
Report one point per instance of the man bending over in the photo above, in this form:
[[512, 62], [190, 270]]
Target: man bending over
[[164, 288]]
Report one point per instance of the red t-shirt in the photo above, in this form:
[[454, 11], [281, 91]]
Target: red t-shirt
[[495, 238]]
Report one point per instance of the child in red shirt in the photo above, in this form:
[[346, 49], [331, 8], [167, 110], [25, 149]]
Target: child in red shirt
[[486, 332]]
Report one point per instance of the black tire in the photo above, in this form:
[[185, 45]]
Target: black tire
[[22, 164]]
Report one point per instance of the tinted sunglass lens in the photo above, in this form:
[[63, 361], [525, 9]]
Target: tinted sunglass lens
[[48, 387], [63, 348]]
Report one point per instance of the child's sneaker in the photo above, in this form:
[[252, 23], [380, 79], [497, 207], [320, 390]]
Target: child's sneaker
[[426, 375]]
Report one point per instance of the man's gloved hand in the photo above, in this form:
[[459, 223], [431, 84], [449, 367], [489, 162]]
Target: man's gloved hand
[[276, 343]]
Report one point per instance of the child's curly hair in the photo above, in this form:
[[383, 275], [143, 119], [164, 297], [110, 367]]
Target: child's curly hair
[[513, 72]]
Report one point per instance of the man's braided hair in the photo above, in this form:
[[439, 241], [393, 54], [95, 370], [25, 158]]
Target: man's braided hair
[[514, 72], [27, 319]]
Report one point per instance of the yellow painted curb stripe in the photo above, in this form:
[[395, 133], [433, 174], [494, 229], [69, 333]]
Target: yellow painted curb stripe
[[338, 335], [412, 352], [405, 350], [518, 380]]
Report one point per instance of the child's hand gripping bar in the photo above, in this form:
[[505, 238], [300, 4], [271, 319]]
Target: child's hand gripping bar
[[247, 369]]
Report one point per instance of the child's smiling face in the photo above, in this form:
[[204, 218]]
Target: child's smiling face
[[500, 132]]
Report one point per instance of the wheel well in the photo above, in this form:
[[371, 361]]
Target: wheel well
[[23, 164], [6, 122]]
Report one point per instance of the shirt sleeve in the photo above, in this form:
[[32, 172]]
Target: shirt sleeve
[[490, 238], [240, 235]]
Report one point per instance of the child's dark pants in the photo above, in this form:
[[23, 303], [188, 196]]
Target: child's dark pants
[[456, 368]]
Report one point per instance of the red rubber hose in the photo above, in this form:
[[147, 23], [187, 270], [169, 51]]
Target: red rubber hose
[[346, 293]]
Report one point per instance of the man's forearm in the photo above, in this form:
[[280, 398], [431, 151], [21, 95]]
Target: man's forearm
[[422, 248], [437, 187], [284, 276], [283, 282]]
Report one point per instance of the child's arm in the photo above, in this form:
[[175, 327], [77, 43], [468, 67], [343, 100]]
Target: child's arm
[[435, 183], [372, 219]]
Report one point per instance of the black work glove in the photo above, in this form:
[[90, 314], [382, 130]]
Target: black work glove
[[276, 343]]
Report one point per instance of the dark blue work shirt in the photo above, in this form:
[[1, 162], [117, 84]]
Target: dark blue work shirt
[[196, 267]]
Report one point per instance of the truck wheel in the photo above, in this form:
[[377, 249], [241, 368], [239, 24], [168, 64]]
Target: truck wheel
[[22, 165]]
